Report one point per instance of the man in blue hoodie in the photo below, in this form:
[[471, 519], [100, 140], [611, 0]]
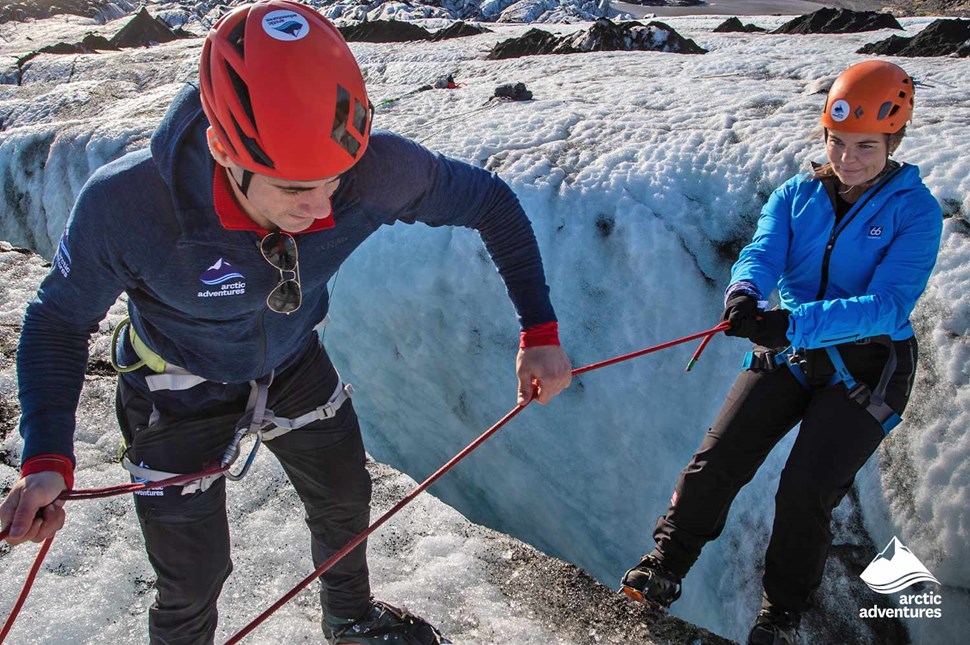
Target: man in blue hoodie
[[258, 184]]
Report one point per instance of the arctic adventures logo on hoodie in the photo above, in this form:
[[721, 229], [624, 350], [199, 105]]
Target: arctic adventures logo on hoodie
[[223, 275]]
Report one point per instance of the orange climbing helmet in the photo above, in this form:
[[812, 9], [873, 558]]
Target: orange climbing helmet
[[872, 96], [283, 92]]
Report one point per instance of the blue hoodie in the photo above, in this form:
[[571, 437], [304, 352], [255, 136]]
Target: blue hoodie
[[145, 225], [881, 256]]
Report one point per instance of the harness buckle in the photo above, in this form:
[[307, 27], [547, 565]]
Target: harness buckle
[[760, 361], [860, 393]]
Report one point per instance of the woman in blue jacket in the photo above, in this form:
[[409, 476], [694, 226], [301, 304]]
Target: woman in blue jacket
[[850, 247]]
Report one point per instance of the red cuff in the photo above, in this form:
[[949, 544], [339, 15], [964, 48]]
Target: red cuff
[[44, 463], [537, 335]]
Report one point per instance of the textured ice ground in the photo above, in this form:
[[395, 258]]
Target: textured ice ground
[[643, 174], [96, 584]]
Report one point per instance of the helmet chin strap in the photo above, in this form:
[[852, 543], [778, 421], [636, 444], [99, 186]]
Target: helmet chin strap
[[868, 184], [247, 178]]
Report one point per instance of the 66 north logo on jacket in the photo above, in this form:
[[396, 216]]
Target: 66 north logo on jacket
[[875, 232], [225, 277]]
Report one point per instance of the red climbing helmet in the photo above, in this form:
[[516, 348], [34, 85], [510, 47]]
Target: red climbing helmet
[[283, 92], [872, 96]]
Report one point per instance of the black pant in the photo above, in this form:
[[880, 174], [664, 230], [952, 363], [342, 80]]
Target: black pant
[[187, 536], [837, 436]]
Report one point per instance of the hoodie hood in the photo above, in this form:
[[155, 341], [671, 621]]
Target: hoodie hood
[[181, 153]]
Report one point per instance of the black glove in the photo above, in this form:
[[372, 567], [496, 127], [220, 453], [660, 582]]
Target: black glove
[[772, 330], [741, 311]]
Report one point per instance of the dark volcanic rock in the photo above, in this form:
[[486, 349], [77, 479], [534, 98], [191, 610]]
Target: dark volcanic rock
[[94, 42], [732, 25], [838, 21], [89, 45], [531, 43], [604, 35], [143, 30], [384, 31], [458, 29], [939, 38]]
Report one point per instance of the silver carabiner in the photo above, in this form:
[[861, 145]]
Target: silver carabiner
[[249, 460]]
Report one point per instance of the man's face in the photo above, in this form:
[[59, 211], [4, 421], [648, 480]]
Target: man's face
[[290, 206]]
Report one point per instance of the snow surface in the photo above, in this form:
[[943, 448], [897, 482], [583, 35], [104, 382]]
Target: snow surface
[[96, 585], [643, 173]]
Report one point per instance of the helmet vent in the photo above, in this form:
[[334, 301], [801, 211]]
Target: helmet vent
[[360, 117], [236, 38], [341, 118], [242, 92], [887, 109]]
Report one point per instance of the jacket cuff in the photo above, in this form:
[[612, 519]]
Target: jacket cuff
[[45, 463], [747, 288], [538, 335]]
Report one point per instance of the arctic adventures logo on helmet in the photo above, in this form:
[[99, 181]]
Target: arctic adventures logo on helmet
[[285, 25], [840, 110]]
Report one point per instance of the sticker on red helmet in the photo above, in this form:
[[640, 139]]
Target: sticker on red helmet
[[285, 25], [840, 110]]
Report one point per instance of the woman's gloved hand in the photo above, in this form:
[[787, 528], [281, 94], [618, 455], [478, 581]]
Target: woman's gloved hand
[[772, 330], [741, 311]]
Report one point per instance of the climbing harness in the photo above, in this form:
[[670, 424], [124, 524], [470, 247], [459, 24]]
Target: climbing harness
[[874, 401], [257, 421], [262, 423], [166, 376], [262, 420]]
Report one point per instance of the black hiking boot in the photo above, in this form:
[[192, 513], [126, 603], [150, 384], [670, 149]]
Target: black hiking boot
[[774, 627], [651, 584], [383, 624]]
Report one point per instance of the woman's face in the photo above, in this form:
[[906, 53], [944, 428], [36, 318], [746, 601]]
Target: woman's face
[[856, 157]]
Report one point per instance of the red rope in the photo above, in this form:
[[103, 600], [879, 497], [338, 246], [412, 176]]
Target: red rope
[[336, 557], [28, 583], [650, 350], [110, 491], [700, 349], [89, 493]]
